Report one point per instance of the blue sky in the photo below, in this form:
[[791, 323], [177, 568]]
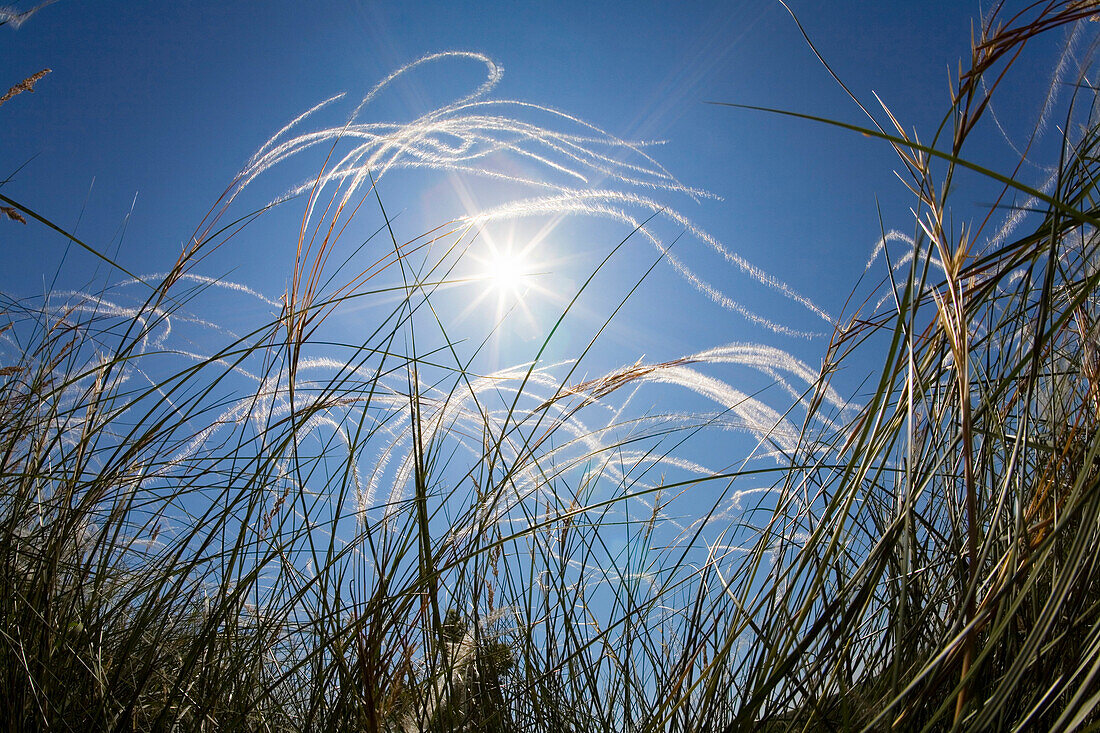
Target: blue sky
[[166, 101]]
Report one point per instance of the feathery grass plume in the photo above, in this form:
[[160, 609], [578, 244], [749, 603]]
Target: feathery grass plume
[[27, 85], [15, 18], [12, 214], [473, 135]]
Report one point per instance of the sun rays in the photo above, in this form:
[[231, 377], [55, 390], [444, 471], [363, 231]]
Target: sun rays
[[553, 165], [505, 279], [507, 273]]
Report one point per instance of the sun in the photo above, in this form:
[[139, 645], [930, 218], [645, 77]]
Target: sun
[[509, 278], [507, 273]]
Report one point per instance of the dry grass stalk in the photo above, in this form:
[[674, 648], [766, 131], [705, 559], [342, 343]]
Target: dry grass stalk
[[27, 85]]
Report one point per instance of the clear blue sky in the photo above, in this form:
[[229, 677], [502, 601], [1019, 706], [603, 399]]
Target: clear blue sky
[[168, 100]]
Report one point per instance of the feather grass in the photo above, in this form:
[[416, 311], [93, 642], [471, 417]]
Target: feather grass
[[292, 533]]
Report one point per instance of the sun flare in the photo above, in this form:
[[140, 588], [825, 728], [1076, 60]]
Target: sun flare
[[507, 273], [508, 279]]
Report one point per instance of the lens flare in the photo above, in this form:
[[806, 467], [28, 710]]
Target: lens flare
[[508, 274]]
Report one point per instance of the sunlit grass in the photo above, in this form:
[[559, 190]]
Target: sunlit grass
[[292, 530]]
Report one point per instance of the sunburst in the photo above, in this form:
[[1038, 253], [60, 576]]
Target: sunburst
[[506, 277], [508, 273]]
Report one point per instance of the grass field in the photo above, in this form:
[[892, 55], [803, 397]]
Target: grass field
[[285, 532]]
